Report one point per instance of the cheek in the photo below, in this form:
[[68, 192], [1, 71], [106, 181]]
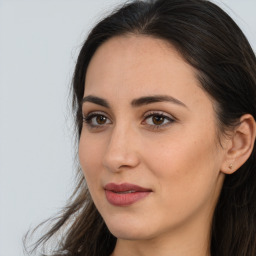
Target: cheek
[[90, 156], [186, 169]]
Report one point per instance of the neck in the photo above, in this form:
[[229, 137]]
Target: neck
[[152, 247]]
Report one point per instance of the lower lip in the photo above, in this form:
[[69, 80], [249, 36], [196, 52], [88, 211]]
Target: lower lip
[[124, 199]]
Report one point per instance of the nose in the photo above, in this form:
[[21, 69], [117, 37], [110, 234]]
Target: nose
[[122, 151]]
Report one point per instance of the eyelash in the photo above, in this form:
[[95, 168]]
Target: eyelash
[[168, 120], [89, 118]]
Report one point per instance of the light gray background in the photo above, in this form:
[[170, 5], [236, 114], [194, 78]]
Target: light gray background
[[39, 42]]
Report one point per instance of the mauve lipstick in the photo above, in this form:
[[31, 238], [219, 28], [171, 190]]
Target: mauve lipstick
[[125, 194]]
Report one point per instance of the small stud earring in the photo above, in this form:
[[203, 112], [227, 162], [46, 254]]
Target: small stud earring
[[230, 166]]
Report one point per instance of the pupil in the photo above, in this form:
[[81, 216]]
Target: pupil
[[101, 119], [158, 120]]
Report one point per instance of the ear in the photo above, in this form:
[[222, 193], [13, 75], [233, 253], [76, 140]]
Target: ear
[[240, 145]]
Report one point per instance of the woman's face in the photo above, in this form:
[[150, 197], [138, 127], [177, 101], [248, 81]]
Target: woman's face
[[148, 148]]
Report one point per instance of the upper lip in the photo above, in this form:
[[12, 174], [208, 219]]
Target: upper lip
[[125, 187]]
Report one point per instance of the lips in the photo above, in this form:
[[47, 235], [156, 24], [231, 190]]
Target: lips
[[125, 194]]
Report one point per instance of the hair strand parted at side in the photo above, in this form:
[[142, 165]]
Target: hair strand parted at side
[[210, 41]]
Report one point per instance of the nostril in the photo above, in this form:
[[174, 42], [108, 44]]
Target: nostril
[[120, 160]]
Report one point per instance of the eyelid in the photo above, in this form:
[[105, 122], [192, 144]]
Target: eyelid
[[169, 120], [87, 118], [97, 112], [159, 112]]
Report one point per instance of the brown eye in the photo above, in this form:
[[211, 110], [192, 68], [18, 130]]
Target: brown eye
[[96, 120], [158, 120], [101, 119]]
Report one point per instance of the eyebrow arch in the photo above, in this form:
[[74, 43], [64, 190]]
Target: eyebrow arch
[[95, 100], [136, 102], [156, 98]]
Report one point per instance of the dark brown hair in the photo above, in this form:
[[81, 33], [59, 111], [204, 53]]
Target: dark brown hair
[[211, 42]]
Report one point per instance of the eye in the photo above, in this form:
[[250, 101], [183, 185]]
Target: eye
[[95, 120], [157, 119]]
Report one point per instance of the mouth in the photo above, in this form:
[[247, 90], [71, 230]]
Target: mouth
[[125, 194]]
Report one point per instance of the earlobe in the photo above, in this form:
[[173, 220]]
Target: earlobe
[[240, 145]]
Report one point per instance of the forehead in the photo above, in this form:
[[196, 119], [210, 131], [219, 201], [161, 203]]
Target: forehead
[[134, 65]]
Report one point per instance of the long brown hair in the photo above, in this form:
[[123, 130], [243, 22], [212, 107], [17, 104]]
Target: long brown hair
[[213, 44]]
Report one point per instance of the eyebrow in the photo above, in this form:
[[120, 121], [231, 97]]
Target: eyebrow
[[136, 102], [156, 98], [96, 100]]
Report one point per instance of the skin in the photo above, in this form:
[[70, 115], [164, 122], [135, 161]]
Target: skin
[[180, 160]]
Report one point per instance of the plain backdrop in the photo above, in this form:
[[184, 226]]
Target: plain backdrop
[[39, 43]]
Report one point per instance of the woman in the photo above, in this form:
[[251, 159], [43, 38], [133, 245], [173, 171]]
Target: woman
[[164, 97]]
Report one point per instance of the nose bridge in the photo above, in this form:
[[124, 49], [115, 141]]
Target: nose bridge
[[122, 148]]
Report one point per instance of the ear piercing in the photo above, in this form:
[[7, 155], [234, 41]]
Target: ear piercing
[[230, 166]]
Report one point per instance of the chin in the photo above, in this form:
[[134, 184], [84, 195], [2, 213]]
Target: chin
[[126, 230], [128, 234]]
